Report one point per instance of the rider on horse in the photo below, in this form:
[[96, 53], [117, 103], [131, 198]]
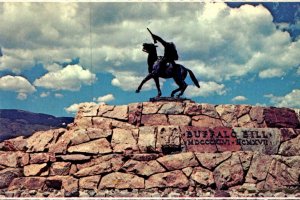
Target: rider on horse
[[170, 54]]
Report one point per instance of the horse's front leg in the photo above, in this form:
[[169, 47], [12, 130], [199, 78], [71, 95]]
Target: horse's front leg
[[147, 78], [156, 79]]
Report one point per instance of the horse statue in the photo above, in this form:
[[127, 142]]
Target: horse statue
[[166, 73]]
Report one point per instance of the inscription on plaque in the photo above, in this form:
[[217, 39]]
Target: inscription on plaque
[[221, 139]]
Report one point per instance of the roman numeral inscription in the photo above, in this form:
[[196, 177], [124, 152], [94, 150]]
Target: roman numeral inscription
[[219, 139]]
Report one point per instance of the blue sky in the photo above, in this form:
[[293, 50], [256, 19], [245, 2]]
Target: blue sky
[[55, 56]]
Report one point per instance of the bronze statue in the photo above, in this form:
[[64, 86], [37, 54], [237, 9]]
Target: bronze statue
[[165, 67]]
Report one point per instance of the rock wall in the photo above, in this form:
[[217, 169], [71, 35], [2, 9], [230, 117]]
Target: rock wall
[[158, 149]]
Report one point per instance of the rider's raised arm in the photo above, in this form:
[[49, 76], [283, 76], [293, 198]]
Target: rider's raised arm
[[164, 43]]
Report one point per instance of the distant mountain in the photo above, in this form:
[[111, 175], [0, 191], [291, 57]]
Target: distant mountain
[[15, 123]]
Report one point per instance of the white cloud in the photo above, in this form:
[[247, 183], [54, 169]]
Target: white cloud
[[239, 98], [17, 84], [290, 100], [68, 78], [58, 95], [207, 38], [128, 81], [105, 98], [206, 89], [44, 94], [22, 96], [53, 67], [270, 73], [74, 107]]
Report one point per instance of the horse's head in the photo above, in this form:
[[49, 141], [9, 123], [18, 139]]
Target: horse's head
[[149, 47]]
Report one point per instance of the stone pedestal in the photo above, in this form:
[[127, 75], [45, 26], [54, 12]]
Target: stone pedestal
[[160, 148]]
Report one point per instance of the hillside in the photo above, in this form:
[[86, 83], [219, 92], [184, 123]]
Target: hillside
[[15, 123]]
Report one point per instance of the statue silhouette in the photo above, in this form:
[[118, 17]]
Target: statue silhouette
[[165, 67]]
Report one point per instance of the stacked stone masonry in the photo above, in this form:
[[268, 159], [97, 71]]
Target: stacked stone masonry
[[158, 146]]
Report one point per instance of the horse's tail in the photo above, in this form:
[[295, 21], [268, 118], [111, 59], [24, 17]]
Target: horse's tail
[[194, 79]]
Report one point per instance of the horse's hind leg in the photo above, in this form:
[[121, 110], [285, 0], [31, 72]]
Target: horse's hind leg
[[179, 83], [174, 91], [183, 88]]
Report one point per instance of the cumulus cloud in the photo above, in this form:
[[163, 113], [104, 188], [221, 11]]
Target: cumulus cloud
[[105, 98], [270, 73], [215, 41], [239, 98], [71, 78], [74, 107], [44, 94], [290, 100], [17, 84], [128, 81], [207, 89]]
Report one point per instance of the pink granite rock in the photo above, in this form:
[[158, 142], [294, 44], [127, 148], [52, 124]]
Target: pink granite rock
[[172, 108], [209, 110], [203, 176], [147, 138], [257, 114], [60, 168], [290, 147], [168, 179], [119, 112], [36, 170], [74, 157], [100, 165], [13, 159], [135, 113], [122, 140], [178, 161], [108, 123], [89, 183], [42, 140], [287, 134], [193, 109], [281, 175], [180, 120], [241, 110], [69, 184], [99, 146], [206, 121], [143, 168], [229, 173], [154, 119], [30, 183], [15, 144], [259, 168], [38, 158], [7, 175], [151, 107], [95, 133], [88, 109], [227, 115], [281, 118], [120, 180], [212, 160]]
